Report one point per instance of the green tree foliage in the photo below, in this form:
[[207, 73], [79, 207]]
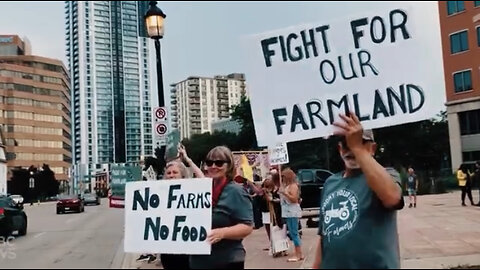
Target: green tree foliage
[[199, 144], [46, 184]]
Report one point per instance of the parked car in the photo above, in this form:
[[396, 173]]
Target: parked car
[[70, 203], [90, 198], [12, 217], [311, 183], [18, 199]]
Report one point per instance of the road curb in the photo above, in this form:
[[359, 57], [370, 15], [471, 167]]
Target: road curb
[[119, 258]]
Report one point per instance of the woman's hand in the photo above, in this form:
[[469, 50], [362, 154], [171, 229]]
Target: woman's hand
[[182, 153], [215, 236]]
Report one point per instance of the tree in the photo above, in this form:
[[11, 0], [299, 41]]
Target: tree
[[242, 113], [199, 144], [45, 183]]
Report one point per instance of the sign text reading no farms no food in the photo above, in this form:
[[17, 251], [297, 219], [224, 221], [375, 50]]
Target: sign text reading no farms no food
[[385, 66]]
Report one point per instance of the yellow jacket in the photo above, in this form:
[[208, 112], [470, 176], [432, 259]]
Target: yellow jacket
[[462, 178]]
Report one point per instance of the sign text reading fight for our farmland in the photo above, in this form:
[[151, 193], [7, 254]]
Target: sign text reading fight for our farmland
[[168, 216], [382, 66]]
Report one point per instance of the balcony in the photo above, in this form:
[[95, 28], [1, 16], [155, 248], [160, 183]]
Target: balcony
[[174, 125], [196, 126], [173, 102], [195, 101], [197, 95], [195, 106], [222, 102], [194, 82], [195, 112]]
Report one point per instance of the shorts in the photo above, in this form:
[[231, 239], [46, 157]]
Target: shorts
[[412, 192], [266, 217]]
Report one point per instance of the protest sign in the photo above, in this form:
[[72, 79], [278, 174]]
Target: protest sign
[[384, 65], [168, 217], [278, 154]]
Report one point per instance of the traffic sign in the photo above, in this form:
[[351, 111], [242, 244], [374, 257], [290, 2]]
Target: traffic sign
[[160, 114], [161, 129]]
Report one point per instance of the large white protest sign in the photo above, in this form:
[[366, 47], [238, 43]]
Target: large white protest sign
[[278, 154], [168, 217], [384, 65]]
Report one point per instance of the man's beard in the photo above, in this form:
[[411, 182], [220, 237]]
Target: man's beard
[[350, 162]]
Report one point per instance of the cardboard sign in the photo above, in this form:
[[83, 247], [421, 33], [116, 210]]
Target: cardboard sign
[[278, 154], [384, 65], [168, 216]]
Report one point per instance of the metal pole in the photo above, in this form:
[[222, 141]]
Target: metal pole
[[161, 99], [327, 154]]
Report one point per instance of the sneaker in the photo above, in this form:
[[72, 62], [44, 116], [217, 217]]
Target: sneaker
[[410, 206], [463, 204], [143, 257], [152, 258]]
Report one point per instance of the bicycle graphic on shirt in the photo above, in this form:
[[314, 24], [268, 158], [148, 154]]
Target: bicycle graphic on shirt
[[342, 213]]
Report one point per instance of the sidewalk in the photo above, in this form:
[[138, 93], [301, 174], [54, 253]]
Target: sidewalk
[[439, 233]]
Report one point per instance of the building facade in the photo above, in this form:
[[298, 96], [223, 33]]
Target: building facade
[[460, 28], [35, 111], [198, 101], [110, 61], [3, 164]]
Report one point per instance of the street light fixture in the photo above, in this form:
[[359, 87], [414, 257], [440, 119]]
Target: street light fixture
[[154, 20]]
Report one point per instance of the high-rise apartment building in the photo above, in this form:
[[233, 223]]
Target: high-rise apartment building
[[198, 101], [460, 28], [110, 62], [34, 109]]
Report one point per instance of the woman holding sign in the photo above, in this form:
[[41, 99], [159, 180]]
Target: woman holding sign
[[232, 215]]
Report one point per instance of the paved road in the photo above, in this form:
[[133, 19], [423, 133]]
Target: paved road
[[85, 240]]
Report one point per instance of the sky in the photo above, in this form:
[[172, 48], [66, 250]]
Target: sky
[[201, 38]]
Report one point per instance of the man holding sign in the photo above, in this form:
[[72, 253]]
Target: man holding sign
[[358, 224]]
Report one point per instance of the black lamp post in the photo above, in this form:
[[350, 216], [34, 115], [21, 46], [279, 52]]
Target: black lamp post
[[155, 29]]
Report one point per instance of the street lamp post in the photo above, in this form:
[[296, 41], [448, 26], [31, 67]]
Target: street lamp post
[[155, 29]]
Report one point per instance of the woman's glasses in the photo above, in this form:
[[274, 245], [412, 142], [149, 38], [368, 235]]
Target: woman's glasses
[[218, 163]]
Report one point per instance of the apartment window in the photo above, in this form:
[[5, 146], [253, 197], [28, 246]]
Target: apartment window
[[471, 156], [462, 81], [455, 7], [478, 35], [469, 122], [459, 42]]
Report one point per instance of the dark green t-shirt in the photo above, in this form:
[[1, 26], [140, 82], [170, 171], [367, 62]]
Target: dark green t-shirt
[[234, 207], [357, 230]]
